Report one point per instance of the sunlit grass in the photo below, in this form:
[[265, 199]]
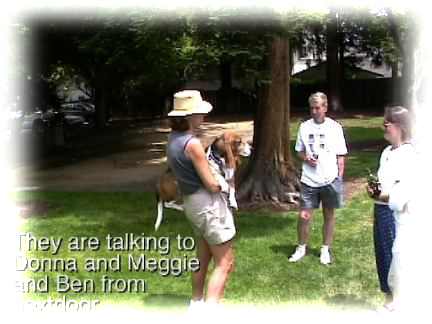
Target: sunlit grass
[[264, 242], [359, 129]]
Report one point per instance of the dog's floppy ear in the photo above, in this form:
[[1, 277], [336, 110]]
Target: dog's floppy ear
[[217, 143], [218, 139], [228, 135]]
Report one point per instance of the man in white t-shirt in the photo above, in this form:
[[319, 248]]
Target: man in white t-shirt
[[321, 145]]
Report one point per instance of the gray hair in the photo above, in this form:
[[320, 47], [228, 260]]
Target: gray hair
[[402, 118], [314, 97]]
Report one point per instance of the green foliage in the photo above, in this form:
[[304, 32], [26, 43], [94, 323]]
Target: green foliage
[[238, 38], [369, 32], [157, 51], [360, 30]]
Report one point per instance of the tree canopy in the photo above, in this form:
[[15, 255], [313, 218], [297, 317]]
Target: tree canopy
[[136, 52]]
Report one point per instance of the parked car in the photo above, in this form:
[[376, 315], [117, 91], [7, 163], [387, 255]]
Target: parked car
[[78, 113], [36, 122], [39, 132]]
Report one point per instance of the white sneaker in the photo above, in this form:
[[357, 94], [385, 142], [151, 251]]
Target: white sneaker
[[386, 311], [325, 256], [214, 310], [196, 306], [299, 253]]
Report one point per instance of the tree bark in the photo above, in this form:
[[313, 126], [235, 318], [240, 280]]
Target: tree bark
[[225, 100], [408, 69], [405, 43], [100, 98], [333, 65], [341, 64], [271, 179]]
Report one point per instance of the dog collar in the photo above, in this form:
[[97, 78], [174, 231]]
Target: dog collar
[[213, 155]]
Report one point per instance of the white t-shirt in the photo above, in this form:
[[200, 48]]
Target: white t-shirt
[[328, 141], [397, 174], [392, 165]]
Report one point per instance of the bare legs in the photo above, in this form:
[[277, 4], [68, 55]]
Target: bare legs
[[223, 257], [328, 226], [198, 278], [303, 225]]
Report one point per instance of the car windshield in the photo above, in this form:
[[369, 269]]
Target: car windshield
[[83, 107]]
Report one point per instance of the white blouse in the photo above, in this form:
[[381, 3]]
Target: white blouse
[[397, 175]]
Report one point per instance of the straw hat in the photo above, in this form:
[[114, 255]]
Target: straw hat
[[189, 102]]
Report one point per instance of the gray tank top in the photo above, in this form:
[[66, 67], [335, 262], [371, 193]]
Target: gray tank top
[[183, 168]]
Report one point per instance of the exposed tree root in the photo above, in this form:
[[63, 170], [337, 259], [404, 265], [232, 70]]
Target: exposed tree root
[[267, 189]]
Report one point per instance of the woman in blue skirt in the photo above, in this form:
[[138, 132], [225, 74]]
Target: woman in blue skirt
[[392, 163]]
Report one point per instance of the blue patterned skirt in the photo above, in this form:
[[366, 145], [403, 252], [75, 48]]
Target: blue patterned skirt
[[384, 235]]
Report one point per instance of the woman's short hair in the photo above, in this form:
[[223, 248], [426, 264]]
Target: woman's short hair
[[400, 116], [314, 97], [179, 124]]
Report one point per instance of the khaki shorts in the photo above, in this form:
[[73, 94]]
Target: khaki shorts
[[210, 216]]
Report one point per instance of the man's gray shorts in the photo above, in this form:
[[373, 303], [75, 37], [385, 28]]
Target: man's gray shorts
[[330, 195]]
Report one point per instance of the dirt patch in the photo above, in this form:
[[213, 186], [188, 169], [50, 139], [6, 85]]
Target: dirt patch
[[102, 164], [354, 186], [134, 165], [30, 209]]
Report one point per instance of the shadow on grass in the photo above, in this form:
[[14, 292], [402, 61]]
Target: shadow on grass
[[247, 224], [118, 213], [289, 249], [285, 250], [348, 301], [313, 252], [166, 301], [256, 226]]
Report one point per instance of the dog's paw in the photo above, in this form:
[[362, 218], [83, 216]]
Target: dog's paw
[[232, 202], [173, 205]]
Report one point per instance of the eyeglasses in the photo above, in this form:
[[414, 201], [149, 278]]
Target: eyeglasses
[[387, 124]]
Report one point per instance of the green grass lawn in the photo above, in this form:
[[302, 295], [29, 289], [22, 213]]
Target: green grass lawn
[[264, 242], [366, 128]]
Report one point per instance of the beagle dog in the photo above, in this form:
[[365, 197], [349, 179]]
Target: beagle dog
[[168, 194]]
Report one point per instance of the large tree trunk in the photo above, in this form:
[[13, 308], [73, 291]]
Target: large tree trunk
[[271, 179], [394, 98], [100, 98], [341, 65], [408, 68], [333, 65], [405, 41], [225, 100]]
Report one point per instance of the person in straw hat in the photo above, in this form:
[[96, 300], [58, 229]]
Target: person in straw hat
[[204, 206]]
